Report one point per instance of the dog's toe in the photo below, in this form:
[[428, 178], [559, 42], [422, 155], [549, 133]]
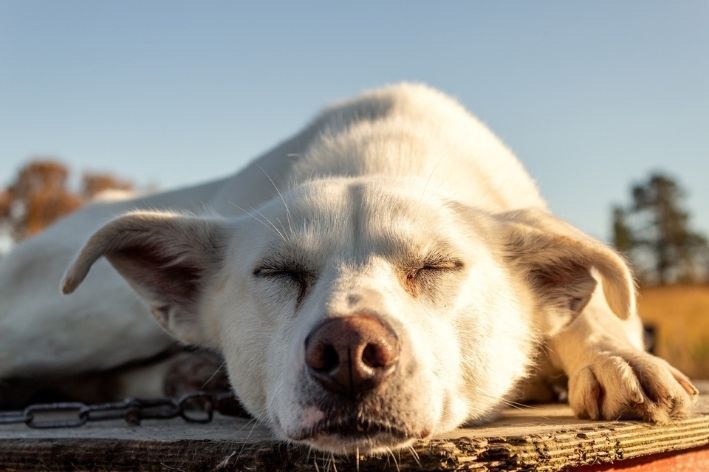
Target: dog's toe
[[630, 385], [585, 394]]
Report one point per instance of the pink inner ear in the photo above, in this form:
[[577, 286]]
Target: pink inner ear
[[167, 276]]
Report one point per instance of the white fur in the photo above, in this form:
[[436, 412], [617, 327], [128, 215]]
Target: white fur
[[370, 187]]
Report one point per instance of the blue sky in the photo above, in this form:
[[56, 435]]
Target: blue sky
[[591, 96]]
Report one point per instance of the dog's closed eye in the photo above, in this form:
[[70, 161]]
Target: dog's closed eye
[[288, 272], [418, 276], [438, 265]]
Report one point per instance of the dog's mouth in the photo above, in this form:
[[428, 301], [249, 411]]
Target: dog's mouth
[[353, 433], [353, 428]]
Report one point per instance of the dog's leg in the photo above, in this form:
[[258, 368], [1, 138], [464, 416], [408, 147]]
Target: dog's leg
[[611, 376]]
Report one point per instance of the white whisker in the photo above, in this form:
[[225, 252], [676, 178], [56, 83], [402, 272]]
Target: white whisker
[[214, 374], [264, 219], [283, 200], [393, 457], [415, 455]]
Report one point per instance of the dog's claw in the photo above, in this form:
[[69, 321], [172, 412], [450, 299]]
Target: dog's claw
[[684, 381]]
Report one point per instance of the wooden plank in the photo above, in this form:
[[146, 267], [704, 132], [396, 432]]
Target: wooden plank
[[691, 460], [542, 438]]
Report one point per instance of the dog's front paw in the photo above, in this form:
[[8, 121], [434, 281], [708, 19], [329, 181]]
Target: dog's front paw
[[630, 384]]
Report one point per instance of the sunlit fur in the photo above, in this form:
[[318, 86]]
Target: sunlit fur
[[372, 188]]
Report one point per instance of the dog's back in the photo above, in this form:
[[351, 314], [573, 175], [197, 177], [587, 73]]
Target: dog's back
[[422, 134]]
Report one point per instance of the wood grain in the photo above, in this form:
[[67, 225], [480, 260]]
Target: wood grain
[[542, 438]]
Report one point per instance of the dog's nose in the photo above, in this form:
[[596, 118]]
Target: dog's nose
[[353, 354]]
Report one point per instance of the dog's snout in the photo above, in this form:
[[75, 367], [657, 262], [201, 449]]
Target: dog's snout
[[353, 354]]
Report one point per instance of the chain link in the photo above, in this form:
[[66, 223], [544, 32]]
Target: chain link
[[197, 407]]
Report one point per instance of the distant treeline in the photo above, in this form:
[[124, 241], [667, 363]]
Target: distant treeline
[[41, 193], [654, 232]]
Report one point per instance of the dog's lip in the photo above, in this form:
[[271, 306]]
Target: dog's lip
[[355, 428]]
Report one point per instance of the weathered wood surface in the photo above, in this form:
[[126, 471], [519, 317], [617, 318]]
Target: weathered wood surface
[[545, 437]]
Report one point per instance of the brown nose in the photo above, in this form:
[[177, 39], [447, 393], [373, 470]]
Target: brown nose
[[351, 355]]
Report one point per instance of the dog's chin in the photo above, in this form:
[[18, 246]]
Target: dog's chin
[[356, 436]]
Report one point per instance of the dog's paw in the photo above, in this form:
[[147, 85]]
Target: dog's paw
[[630, 384]]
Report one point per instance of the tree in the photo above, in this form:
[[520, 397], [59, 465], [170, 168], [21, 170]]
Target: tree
[[4, 204], [40, 194], [622, 233], [94, 184], [654, 232]]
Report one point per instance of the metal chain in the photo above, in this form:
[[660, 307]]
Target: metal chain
[[197, 407]]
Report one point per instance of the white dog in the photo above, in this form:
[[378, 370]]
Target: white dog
[[387, 274]]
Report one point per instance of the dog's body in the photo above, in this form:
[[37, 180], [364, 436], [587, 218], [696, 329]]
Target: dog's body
[[397, 217]]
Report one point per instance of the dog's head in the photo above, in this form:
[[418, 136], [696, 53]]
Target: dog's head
[[359, 315]]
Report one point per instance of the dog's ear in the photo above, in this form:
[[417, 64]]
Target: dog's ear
[[557, 259], [165, 257]]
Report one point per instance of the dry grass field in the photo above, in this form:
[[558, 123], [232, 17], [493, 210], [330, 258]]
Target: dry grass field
[[681, 317]]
